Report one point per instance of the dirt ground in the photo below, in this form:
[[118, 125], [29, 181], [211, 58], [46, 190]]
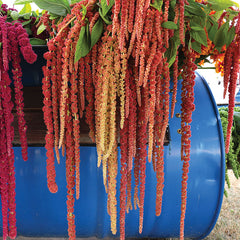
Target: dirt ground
[[228, 224]]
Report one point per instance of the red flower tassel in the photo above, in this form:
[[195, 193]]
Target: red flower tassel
[[232, 90], [47, 110], [123, 181], [175, 81], [4, 31]]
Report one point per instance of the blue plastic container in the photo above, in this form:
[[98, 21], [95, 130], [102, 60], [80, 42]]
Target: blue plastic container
[[43, 214]]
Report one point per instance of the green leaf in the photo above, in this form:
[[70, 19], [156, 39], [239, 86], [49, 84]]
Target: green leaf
[[237, 118], [196, 20], [195, 10], [26, 9], [104, 18], [83, 44], [53, 16], [157, 5], [58, 7], [26, 22], [0, 44], [29, 31], [105, 7], [196, 46], [208, 26], [219, 5], [212, 31], [173, 3], [84, 11], [170, 25], [96, 32], [1, 4], [171, 52], [74, 1], [20, 2], [199, 36], [221, 35], [37, 41], [195, 26], [14, 15], [230, 36], [25, 16], [34, 14], [41, 28]]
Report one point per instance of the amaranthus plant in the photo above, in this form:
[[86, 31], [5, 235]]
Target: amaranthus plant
[[14, 42], [105, 56]]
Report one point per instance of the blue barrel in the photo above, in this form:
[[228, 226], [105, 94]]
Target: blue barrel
[[43, 214]]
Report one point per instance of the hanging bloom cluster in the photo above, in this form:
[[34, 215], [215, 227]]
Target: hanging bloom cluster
[[116, 76], [13, 39], [187, 97], [231, 70]]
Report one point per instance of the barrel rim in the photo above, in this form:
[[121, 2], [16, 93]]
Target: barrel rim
[[221, 140]]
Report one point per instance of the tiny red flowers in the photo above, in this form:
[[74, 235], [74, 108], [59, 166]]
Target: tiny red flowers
[[12, 36]]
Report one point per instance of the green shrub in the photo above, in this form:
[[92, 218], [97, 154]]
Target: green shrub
[[233, 156]]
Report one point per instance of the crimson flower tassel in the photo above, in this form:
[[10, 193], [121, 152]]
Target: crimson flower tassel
[[70, 177], [166, 84], [165, 19], [123, 24], [131, 14], [160, 179], [47, 110], [152, 105], [117, 8], [89, 89], [175, 81], [181, 22], [142, 138], [228, 59], [8, 119], [123, 181], [232, 90], [133, 120], [4, 32], [4, 174], [18, 86], [188, 107], [25, 46]]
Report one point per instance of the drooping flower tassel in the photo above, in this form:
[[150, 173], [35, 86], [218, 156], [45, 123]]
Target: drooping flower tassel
[[123, 28], [133, 120], [7, 106], [187, 107], [165, 19], [160, 179], [47, 111], [232, 89], [181, 22], [166, 90], [4, 172], [123, 181], [18, 86], [70, 177], [175, 81], [25, 46], [142, 138], [112, 172], [152, 105], [129, 191], [89, 89]]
